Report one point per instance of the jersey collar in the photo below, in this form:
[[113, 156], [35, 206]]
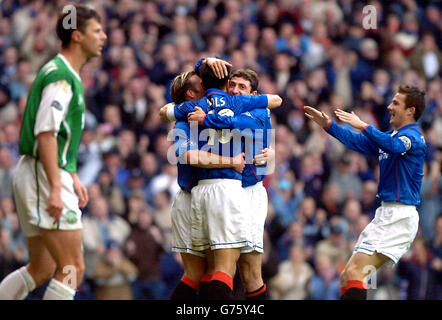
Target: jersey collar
[[410, 125], [215, 91], [68, 65]]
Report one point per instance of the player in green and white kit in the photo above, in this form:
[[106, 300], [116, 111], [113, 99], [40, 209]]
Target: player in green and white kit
[[47, 191]]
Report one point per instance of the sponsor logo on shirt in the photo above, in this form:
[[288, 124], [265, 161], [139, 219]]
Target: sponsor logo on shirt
[[57, 105]]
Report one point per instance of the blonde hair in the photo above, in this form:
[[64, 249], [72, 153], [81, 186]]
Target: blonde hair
[[180, 85]]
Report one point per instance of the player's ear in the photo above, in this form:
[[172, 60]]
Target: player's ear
[[190, 94], [254, 93], [76, 35]]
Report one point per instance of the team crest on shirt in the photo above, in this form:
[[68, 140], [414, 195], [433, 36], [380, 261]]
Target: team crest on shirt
[[406, 141], [71, 217]]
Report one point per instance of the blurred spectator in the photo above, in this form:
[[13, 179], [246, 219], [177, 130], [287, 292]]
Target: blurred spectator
[[114, 274], [144, 248], [39, 43], [349, 184], [101, 227], [335, 247], [112, 194], [286, 198], [89, 159], [290, 283], [6, 168], [162, 218], [324, 285], [420, 274], [329, 200], [369, 201], [431, 200], [11, 132], [294, 236]]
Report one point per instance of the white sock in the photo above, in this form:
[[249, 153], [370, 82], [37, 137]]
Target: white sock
[[17, 285], [58, 291]]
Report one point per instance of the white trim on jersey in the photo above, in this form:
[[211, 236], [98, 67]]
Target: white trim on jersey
[[69, 65], [53, 107], [67, 144]]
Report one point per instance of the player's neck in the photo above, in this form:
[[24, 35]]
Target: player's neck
[[403, 124], [75, 57]]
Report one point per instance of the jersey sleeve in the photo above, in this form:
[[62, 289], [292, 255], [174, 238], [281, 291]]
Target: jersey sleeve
[[397, 144], [183, 140], [355, 141], [53, 107], [180, 111], [246, 103]]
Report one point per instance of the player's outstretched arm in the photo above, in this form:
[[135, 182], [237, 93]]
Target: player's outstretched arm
[[351, 118], [355, 141], [317, 116]]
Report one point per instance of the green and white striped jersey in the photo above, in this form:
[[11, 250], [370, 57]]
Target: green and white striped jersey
[[55, 103]]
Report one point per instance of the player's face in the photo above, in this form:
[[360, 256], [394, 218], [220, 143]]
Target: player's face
[[93, 39], [196, 90], [399, 115], [237, 86]]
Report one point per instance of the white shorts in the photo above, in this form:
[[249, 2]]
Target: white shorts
[[220, 215], [258, 200], [391, 232], [181, 224], [31, 194]]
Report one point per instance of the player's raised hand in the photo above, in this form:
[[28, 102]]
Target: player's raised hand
[[350, 118], [197, 115], [218, 66], [239, 162], [317, 116]]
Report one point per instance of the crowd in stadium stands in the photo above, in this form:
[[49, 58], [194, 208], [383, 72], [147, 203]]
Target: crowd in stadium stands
[[321, 195]]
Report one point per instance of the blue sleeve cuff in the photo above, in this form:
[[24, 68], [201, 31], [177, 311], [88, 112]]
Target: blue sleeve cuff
[[197, 65]]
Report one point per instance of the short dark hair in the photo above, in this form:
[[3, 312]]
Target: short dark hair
[[414, 97], [180, 84], [83, 14], [209, 79], [249, 75]]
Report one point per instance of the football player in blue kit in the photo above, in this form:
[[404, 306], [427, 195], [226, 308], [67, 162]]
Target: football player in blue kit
[[256, 128], [218, 200], [187, 86], [401, 154]]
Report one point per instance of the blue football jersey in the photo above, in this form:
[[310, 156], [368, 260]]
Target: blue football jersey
[[221, 142], [401, 156], [255, 127]]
